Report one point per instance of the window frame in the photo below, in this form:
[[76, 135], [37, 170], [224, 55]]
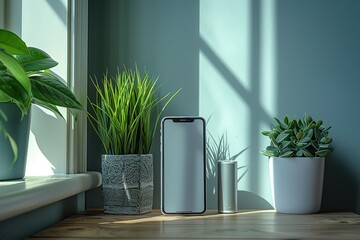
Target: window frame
[[77, 53], [76, 144]]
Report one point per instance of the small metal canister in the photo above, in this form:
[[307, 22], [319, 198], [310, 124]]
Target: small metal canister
[[227, 186]]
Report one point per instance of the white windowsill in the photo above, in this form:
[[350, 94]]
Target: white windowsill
[[21, 196]]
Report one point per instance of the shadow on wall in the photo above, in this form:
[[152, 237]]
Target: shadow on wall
[[318, 71], [340, 188], [232, 91], [317, 53], [246, 199], [160, 35], [249, 200]]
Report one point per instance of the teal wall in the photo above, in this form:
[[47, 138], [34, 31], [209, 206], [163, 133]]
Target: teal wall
[[318, 72], [27, 224], [242, 62]]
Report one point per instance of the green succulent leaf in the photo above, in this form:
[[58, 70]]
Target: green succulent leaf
[[307, 153], [326, 140], [280, 124], [285, 144], [303, 137], [300, 124], [271, 148], [309, 133], [266, 133], [306, 119], [303, 144], [268, 153], [315, 144], [323, 153], [319, 123], [287, 154], [300, 135], [286, 120], [281, 137], [305, 140], [299, 153], [324, 145], [326, 129]]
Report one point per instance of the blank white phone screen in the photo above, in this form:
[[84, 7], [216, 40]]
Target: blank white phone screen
[[183, 166]]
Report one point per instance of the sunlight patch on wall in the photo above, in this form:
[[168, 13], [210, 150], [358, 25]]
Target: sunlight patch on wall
[[38, 159], [224, 28], [268, 58], [224, 69], [268, 78], [44, 26], [238, 84], [229, 113]]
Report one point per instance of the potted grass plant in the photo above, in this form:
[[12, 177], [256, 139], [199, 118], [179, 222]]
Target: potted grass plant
[[297, 152], [224, 165], [25, 79], [125, 114]]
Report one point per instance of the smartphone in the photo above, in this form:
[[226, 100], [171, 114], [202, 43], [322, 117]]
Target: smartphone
[[183, 178]]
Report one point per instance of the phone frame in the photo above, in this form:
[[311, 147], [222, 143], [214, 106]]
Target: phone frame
[[181, 119]]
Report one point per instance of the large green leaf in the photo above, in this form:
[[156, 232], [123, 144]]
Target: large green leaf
[[47, 105], [50, 89], [12, 43], [11, 90], [36, 60], [16, 69]]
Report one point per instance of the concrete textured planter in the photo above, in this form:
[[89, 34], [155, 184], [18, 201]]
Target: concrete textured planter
[[296, 184], [127, 183]]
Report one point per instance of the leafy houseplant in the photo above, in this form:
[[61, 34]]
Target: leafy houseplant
[[25, 79], [125, 115], [297, 152], [301, 138], [218, 156]]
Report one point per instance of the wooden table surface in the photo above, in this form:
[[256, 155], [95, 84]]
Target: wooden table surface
[[246, 224]]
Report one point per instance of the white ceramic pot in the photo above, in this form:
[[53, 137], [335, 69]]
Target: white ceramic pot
[[296, 184]]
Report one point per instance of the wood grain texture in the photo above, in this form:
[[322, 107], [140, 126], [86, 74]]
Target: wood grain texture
[[243, 225]]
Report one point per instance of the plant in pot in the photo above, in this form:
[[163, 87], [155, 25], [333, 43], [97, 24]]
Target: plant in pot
[[297, 152], [221, 162], [25, 79], [125, 115]]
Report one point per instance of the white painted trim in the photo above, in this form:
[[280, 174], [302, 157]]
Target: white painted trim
[[21, 196], [77, 80]]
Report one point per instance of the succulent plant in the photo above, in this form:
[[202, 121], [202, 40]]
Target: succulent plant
[[302, 137]]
